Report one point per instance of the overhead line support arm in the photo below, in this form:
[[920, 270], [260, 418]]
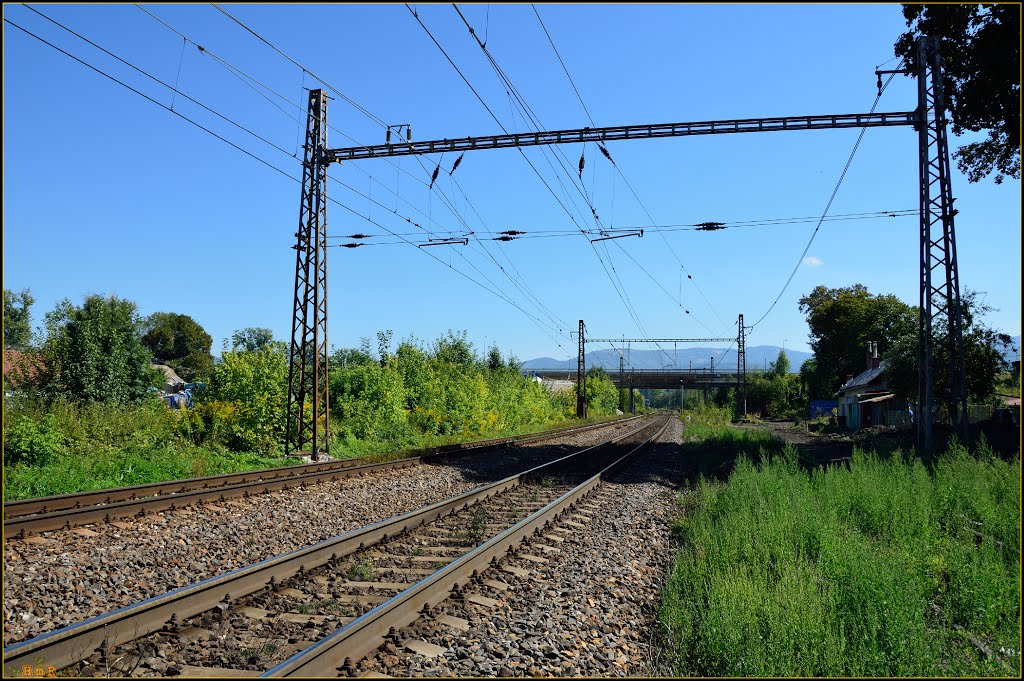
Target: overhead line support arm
[[625, 132]]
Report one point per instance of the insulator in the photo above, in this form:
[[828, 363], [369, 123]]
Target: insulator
[[605, 152], [512, 232], [358, 236], [352, 245], [388, 139], [582, 163], [408, 133], [504, 238], [457, 162], [689, 276], [434, 176]]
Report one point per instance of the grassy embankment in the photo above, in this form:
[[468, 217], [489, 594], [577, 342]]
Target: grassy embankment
[[82, 448], [882, 568]]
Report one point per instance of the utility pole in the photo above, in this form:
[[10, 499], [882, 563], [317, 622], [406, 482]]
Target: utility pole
[[741, 372], [581, 376], [632, 406], [938, 299], [307, 370], [622, 373]]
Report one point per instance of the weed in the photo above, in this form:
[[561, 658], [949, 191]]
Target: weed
[[886, 568], [360, 571], [475, 529]]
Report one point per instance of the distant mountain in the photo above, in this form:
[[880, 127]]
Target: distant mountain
[[758, 357]]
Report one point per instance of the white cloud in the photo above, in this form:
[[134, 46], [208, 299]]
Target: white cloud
[[812, 261]]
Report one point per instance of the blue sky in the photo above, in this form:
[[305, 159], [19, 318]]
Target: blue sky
[[105, 192]]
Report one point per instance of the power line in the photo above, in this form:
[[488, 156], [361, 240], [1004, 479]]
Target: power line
[[498, 121], [340, 94], [526, 233], [530, 115], [154, 78], [271, 166], [831, 198], [531, 297], [615, 165]]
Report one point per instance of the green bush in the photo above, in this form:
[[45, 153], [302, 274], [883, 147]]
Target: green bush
[[32, 442], [254, 387]]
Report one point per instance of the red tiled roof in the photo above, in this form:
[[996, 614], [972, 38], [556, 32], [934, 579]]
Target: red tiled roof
[[19, 366]]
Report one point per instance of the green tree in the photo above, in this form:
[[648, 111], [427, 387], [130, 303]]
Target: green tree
[[781, 366], [494, 361], [253, 339], [384, 345], [841, 322], [345, 357], [453, 348], [980, 50], [248, 391], [983, 356], [94, 353], [602, 396], [18, 318], [180, 342]]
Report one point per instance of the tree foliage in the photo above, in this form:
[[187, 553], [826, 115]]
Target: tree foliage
[[94, 353], [781, 365], [252, 339], [245, 398], [983, 356], [841, 322], [18, 319], [602, 395], [180, 342], [980, 50]]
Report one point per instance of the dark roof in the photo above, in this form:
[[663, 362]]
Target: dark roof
[[862, 379]]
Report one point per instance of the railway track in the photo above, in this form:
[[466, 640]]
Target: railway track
[[337, 599], [30, 516]]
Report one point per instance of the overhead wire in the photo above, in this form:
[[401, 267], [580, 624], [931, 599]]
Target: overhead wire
[[530, 115], [531, 297], [831, 198], [526, 233], [268, 164], [615, 165], [498, 121], [330, 87]]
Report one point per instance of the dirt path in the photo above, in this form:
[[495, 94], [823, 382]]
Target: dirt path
[[815, 447]]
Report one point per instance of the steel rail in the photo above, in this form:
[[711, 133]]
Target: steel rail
[[65, 511], [76, 642], [358, 638]]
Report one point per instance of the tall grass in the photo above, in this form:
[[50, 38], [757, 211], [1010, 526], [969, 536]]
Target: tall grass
[[884, 568], [64, 447]]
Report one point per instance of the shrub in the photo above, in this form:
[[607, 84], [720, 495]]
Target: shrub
[[32, 442]]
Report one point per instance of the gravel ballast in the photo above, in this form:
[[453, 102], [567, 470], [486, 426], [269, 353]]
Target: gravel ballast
[[65, 576], [589, 610]]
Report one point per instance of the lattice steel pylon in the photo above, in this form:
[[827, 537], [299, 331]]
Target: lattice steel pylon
[[308, 420], [938, 252], [581, 375], [632, 404], [741, 371], [622, 375]]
